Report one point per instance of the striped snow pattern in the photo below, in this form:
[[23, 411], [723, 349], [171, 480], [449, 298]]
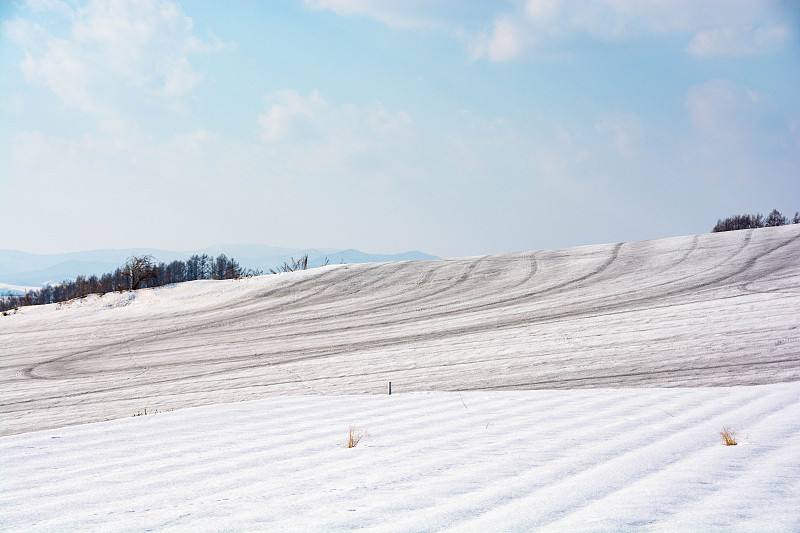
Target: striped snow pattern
[[561, 460]]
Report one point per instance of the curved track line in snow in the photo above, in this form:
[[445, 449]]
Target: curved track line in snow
[[715, 309]]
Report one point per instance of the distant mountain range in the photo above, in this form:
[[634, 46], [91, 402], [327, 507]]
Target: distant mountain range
[[33, 270]]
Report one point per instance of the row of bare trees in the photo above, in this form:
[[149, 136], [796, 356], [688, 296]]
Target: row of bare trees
[[755, 221], [138, 272]]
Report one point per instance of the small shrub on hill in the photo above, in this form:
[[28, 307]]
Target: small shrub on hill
[[355, 437], [728, 437]]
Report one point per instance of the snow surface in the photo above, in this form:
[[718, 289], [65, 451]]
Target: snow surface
[[656, 346], [715, 309], [563, 460]]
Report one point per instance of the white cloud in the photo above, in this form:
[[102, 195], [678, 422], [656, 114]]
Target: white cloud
[[709, 22], [307, 137], [290, 116], [49, 5], [312, 120], [195, 45], [505, 31], [734, 42], [60, 69], [503, 44], [542, 11], [426, 14], [87, 53]]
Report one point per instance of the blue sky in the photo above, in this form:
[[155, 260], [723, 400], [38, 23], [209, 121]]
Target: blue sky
[[451, 127]]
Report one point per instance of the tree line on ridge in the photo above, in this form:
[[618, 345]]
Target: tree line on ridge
[[138, 272], [737, 222]]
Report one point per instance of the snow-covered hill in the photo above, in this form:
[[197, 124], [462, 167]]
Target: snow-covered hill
[[716, 309], [668, 341]]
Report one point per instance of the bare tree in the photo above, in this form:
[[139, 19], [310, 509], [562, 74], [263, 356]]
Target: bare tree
[[776, 219], [138, 270], [300, 264], [740, 222]]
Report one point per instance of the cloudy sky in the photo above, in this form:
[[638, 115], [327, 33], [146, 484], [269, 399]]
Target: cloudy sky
[[456, 128]]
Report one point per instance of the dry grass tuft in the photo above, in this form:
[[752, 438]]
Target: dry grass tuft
[[728, 437], [145, 412], [355, 437]]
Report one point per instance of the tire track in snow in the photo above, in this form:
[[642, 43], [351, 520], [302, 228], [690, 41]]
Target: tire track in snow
[[418, 313], [213, 323]]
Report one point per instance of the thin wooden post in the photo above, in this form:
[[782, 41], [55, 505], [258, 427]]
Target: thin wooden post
[[390, 388]]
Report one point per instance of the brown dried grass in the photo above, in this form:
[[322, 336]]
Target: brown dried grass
[[728, 437], [355, 437]]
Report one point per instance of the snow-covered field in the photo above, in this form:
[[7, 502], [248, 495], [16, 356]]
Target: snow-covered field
[[655, 346], [625, 459]]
